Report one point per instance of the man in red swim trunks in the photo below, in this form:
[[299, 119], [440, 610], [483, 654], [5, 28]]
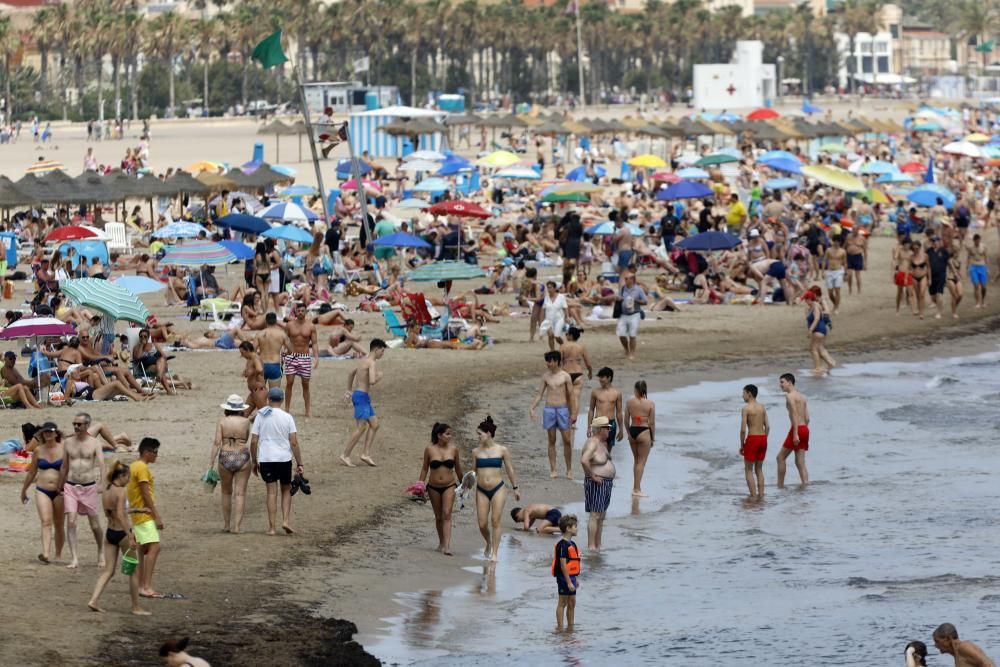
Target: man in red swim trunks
[[798, 435], [754, 428]]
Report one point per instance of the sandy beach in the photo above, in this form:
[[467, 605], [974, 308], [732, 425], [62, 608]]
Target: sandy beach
[[253, 599]]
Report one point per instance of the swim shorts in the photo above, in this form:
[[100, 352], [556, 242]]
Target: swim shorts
[[81, 499], [978, 274], [856, 262], [612, 432], [777, 270], [555, 416], [553, 516], [276, 471], [628, 325], [834, 278], [904, 279], [225, 342], [146, 532], [596, 497], [625, 258], [937, 284], [363, 410], [272, 371], [564, 588], [297, 363], [755, 448], [803, 439]]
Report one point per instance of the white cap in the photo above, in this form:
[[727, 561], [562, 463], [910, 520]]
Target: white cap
[[754, 232]]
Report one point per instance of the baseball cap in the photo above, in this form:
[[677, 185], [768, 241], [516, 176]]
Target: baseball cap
[[634, 213], [48, 426], [275, 394], [9, 355]]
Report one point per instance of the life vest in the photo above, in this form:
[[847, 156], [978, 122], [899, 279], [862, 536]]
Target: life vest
[[572, 561]]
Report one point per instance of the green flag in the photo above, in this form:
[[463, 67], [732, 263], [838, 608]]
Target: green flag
[[985, 47], [268, 53]]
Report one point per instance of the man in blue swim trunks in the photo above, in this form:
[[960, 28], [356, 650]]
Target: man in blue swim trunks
[[271, 343], [365, 376], [560, 409], [544, 519]]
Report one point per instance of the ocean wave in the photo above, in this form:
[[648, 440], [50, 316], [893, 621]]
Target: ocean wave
[[941, 381]]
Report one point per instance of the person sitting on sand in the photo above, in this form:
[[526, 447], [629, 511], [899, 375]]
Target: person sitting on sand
[[252, 319], [544, 519], [148, 354], [343, 341], [76, 384], [330, 318], [174, 654]]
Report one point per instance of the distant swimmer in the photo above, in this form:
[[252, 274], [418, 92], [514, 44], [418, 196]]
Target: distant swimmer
[[754, 429], [966, 653], [798, 435]]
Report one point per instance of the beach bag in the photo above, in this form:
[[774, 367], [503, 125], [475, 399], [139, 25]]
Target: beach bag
[[827, 320]]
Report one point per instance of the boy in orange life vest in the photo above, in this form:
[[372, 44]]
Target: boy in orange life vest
[[565, 568]]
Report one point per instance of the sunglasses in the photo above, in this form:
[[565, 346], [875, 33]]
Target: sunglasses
[[79, 423]]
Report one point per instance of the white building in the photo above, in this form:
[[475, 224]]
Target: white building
[[872, 58], [744, 83]]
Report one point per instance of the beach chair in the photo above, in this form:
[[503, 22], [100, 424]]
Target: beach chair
[[218, 310], [39, 366], [392, 323], [119, 237], [149, 378]]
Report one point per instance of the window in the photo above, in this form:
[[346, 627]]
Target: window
[[866, 64], [894, 30], [881, 47], [883, 64], [865, 47]]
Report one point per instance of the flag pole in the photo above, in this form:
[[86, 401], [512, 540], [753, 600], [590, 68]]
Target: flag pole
[[358, 186], [312, 145]]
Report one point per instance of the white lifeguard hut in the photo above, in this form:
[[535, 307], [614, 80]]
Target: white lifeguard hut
[[744, 83]]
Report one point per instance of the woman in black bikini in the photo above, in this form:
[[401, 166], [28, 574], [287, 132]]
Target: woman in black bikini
[[441, 471], [491, 494], [261, 271], [575, 359], [118, 537], [921, 276], [46, 461], [230, 446], [640, 415]]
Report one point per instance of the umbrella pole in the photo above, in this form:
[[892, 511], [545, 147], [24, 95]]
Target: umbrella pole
[[312, 147], [277, 148]]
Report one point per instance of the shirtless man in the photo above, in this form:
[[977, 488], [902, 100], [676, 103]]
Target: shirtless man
[[798, 435], [965, 653], [836, 259], [271, 343], [978, 272], [856, 246], [902, 263], [304, 355], [754, 429], [343, 341], [359, 385], [560, 410], [13, 378], [80, 480], [606, 401], [625, 245], [544, 519]]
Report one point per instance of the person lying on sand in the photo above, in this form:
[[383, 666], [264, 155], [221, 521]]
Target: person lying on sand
[[544, 519]]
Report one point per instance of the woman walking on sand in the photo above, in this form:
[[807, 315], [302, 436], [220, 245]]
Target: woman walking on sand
[[921, 276], [819, 325], [230, 446], [491, 493], [46, 462], [118, 537], [640, 415], [576, 361], [441, 471]]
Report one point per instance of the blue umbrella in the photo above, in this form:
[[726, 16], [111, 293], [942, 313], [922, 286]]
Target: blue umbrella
[[289, 233], [298, 191], [709, 241], [242, 222], [928, 127], [878, 167], [927, 195], [684, 190], [242, 251], [808, 108], [453, 165], [894, 177], [781, 184], [287, 212], [345, 168], [431, 185], [401, 240], [691, 173], [786, 165], [179, 230], [413, 203], [139, 284], [580, 173], [776, 154], [608, 229]]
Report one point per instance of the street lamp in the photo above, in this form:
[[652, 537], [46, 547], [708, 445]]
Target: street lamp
[[781, 62]]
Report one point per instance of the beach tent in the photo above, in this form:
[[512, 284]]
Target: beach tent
[[365, 134]]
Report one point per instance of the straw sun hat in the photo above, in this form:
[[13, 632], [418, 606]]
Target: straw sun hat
[[234, 403]]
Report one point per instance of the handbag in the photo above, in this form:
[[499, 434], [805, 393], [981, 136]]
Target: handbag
[[616, 312]]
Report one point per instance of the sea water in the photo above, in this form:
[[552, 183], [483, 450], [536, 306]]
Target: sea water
[[897, 533]]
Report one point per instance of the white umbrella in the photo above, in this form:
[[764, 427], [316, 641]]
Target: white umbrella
[[414, 166], [966, 148], [431, 156]]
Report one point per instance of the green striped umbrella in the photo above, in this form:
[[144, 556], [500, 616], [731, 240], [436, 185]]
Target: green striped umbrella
[[565, 197], [446, 270], [107, 297], [714, 159]]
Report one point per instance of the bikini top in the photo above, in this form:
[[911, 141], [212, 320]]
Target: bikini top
[[489, 463], [450, 463], [49, 465]]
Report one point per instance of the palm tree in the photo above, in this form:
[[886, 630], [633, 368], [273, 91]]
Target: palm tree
[[61, 27], [978, 21], [204, 35], [166, 34], [10, 43], [41, 24]]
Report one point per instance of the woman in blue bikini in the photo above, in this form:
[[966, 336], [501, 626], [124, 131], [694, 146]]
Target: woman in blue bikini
[[46, 461], [491, 493], [441, 471]]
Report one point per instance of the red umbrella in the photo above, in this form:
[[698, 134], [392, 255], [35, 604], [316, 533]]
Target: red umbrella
[[69, 233], [666, 177], [913, 168], [763, 114], [463, 209]]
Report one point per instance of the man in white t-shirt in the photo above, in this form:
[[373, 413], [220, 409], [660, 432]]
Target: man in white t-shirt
[[273, 443]]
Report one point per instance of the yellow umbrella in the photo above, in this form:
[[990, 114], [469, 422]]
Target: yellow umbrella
[[647, 161], [977, 138], [876, 196], [498, 159], [203, 165], [575, 188], [834, 177]]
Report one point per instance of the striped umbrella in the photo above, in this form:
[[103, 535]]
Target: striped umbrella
[[45, 166], [28, 327], [179, 230], [287, 212], [109, 298], [198, 253], [446, 270]]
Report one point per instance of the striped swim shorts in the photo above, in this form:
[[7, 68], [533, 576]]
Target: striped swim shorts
[[297, 363], [596, 497]]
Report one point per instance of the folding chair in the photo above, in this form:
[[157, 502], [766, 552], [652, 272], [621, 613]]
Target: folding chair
[[392, 323], [41, 365], [149, 378], [217, 309]]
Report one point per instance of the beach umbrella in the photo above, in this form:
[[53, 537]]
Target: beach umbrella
[[691, 173], [453, 165], [808, 108], [400, 240], [580, 173], [684, 190], [770, 156], [426, 155], [607, 228], [242, 222], [976, 138], [110, 298], [139, 284], [573, 187], [179, 230], [966, 148], [894, 177], [781, 184], [346, 166], [432, 184], [518, 174], [498, 160], [69, 233], [44, 167], [927, 196], [460, 208], [878, 167], [284, 170], [786, 165], [647, 161], [928, 126], [913, 168], [563, 197], [709, 241], [841, 179], [716, 159], [198, 253], [240, 249], [876, 196], [365, 183], [763, 114], [445, 270], [252, 203], [666, 177], [833, 147], [298, 191], [29, 327], [289, 233], [415, 166], [287, 212], [413, 203], [204, 165]]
